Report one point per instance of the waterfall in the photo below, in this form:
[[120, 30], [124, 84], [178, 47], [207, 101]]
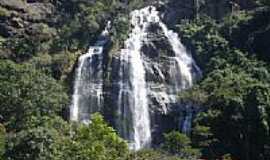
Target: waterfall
[[133, 114], [183, 69], [88, 85], [188, 70], [131, 92], [133, 103], [186, 121]]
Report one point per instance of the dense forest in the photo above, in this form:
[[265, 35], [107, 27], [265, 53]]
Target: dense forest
[[41, 41]]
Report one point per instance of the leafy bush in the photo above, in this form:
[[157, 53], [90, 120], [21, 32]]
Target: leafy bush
[[149, 154], [120, 30], [234, 89], [204, 39], [43, 138], [4, 12], [55, 139], [36, 143], [26, 92], [179, 144], [58, 66], [2, 140], [237, 106], [97, 141]]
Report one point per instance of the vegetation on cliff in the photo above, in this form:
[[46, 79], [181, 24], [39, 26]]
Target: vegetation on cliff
[[235, 91], [39, 45]]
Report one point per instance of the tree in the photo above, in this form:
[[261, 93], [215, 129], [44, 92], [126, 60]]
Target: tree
[[237, 115], [27, 92], [52, 138], [2, 141], [97, 141], [45, 138], [179, 144], [235, 87], [263, 2], [150, 154], [120, 29], [37, 143], [203, 139]]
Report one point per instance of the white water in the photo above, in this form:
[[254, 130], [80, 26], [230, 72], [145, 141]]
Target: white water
[[134, 120], [187, 120], [133, 90], [183, 70], [185, 65], [133, 117], [88, 86]]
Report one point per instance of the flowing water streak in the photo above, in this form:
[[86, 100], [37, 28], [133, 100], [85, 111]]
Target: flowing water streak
[[133, 121], [187, 120], [184, 61], [88, 86], [132, 100], [186, 66], [183, 71], [133, 89]]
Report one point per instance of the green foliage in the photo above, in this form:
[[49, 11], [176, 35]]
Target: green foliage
[[232, 23], [38, 40], [26, 92], [234, 93], [237, 108], [36, 143], [85, 21], [43, 138], [4, 12], [235, 88], [175, 142], [236, 105], [59, 66], [2, 140], [202, 137], [203, 37], [226, 157], [149, 154], [135, 4], [179, 144], [97, 141], [249, 31], [52, 138], [120, 30], [23, 48], [263, 2]]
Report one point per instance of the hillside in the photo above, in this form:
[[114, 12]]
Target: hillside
[[170, 79]]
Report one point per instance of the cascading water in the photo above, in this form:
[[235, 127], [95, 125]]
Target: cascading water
[[87, 97], [133, 90], [185, 121], [134, 121], [188, 70], [183, 70]]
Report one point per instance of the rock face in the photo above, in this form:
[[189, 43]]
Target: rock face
[[19, 17]]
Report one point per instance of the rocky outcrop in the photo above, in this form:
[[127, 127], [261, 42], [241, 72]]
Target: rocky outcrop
[[177, 10], [20, 18]]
